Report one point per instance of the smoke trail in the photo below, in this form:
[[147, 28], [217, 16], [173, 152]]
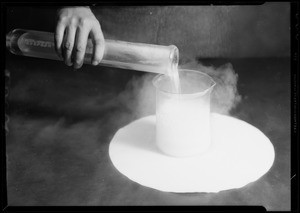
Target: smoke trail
[[42, 141], [139, 96], [225, 96], [53, 150]]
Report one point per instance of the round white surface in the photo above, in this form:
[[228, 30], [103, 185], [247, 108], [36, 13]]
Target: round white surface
[[239, 154]]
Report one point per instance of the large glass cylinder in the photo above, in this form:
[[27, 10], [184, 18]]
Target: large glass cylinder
[[119, 54], [183, 120]]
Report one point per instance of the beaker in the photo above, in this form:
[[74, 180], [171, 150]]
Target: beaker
[[183, 120]]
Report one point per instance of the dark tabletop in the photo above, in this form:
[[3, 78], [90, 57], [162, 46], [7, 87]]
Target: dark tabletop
[[62, 121]]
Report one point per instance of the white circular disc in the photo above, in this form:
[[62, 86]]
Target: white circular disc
[[239, 154]]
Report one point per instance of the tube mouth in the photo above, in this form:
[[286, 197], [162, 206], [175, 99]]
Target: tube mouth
[[12, 37], [210, 86], [174, 57]]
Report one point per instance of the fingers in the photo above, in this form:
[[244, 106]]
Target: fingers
[[58, 37], [74, 25], [98, 41], [68, 44], [80, 46]]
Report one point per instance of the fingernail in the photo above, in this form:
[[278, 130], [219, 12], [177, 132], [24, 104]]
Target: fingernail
[[95, 63], [77, 66], [68, 63]]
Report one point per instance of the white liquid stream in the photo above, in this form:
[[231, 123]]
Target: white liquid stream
[[175, 80]]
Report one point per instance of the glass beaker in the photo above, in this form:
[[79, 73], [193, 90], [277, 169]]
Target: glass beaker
[[183, 120]]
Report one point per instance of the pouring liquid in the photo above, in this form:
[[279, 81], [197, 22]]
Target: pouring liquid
[[175, 80]]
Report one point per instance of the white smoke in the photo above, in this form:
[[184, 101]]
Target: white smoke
[[139, 95], [225, 96], [44, 139]]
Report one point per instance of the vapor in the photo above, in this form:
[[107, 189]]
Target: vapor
[[53, 149], [139, 96], [225, 96]]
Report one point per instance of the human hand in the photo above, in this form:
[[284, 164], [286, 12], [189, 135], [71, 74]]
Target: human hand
[[74, 26]]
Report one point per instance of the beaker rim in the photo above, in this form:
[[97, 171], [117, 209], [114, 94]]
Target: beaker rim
[[213, 83]]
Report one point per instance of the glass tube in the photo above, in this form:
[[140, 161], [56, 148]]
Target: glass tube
[[119, 54]]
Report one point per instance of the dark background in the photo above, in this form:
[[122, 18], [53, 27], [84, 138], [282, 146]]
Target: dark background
[[61, 120], [198, 31]]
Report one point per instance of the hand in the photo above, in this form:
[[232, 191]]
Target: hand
[[74, 26]]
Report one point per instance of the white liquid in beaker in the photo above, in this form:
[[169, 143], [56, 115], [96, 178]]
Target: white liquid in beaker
[[183, 119], [184, 126]]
